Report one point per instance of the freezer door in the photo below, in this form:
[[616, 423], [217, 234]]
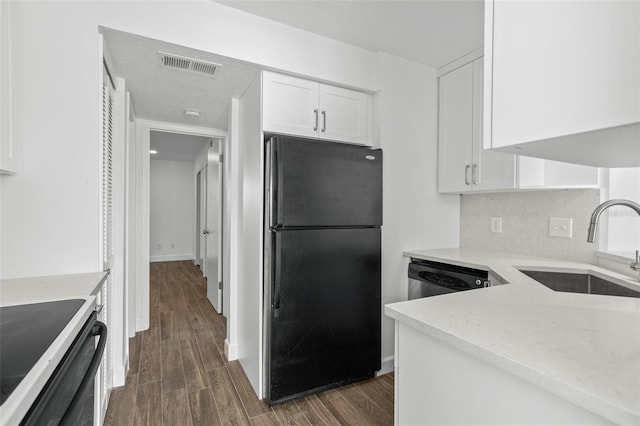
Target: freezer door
[[318, 183], [324, 323]]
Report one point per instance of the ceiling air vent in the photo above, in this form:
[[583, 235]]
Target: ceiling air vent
[[177, 62]]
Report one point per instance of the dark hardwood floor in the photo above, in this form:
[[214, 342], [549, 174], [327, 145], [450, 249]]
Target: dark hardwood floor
[[179, 375]]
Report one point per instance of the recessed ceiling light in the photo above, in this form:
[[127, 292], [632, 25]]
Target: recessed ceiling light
[[191, 113], [153, 151]]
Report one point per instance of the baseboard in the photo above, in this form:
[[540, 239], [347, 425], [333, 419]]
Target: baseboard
[[387, 365], [231, 351], [142, 324], [120, 373], [170, 257]]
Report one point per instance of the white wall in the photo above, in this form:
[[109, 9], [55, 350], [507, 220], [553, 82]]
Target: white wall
[[172, 210], [234, 228], [250, 248], [415, 216], [525, 222], [49, 215]]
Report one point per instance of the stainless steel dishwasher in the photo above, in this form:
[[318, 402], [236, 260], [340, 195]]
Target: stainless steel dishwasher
[[428, 278]]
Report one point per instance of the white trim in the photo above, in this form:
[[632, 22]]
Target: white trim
[[387, 365], [231, 351], [462, 60], [119, 327], [184, 129], [172, 257], [233, 225], [120, 374]]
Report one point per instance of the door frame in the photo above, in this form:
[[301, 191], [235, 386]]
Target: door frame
[[144, 138], [198, 208]]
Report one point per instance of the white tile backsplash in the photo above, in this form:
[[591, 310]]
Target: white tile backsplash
[[525, 222]]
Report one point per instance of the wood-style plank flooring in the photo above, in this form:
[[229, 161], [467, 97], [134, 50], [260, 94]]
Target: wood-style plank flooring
[[179, 375]]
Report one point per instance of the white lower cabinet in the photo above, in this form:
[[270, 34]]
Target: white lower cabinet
[[101, 389], [464, 166], [437, 384], [300, 107]]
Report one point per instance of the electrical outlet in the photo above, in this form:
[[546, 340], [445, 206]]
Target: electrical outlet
[[159, 246], [561, 227], [496, 224]]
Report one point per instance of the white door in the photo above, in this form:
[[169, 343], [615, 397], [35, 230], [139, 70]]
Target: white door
[[455, 130], [343, 114], [202, 215], [490, 170], [212, 232]]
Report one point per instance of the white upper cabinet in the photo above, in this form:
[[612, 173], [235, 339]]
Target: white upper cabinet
[[563, 81], [290, 105], [464, 166], [343, 114], [306, 108], [462, 163], [8, 148]]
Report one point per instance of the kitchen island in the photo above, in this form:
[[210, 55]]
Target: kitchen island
[[518, 353]]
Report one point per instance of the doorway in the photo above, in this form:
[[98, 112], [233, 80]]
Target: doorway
[[183, 177]]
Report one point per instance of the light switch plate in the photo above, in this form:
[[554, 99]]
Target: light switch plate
[[561, 227], [496, 224]]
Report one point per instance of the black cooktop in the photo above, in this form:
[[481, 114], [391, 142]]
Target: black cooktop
[[26, 331]]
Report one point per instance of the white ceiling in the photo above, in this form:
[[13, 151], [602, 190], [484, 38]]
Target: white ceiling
[[163, 94], [431, 32], [176, 147]]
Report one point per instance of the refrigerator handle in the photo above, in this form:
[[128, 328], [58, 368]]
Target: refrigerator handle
[[271, 171], [275, 291]]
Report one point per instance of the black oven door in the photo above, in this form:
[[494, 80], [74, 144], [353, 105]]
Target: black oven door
[[68, 396]]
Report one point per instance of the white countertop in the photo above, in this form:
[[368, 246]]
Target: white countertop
[[21, 291], [582, 347]]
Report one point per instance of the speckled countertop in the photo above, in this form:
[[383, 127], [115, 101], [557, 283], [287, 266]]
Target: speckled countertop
[[22, 291], [582, 347]]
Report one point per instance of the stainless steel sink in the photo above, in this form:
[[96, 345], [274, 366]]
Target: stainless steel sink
[[580, 283]]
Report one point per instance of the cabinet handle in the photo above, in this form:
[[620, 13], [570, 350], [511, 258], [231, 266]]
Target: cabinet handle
[[324, 121], [474, 174], [466, 174], [315, 128]]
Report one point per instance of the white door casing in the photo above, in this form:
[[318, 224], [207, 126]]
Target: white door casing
[[202, 223], [196, 255], [103, 382], [145, 128]]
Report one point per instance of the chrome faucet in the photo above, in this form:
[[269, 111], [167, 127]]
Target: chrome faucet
[[595, 217]]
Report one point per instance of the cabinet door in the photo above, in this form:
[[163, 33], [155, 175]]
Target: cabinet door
[[560, 68], [455, 130], [343, 114], [290, 105], [8, 150], [490, 170]]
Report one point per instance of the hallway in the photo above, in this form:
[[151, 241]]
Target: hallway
[[178, 374]]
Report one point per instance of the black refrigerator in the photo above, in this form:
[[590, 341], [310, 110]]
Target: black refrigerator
[[323, 213]]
